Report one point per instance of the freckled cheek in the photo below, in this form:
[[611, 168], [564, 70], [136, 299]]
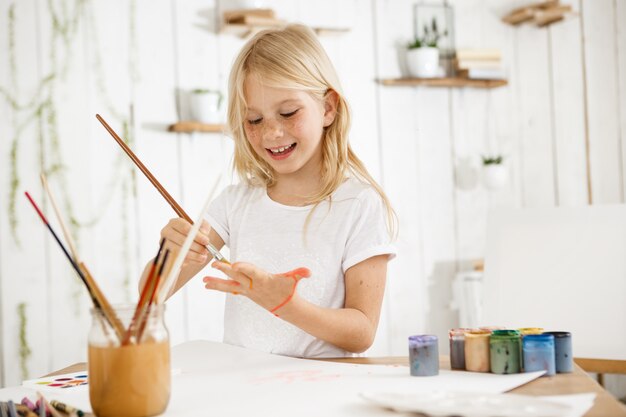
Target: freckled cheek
[[294, 126], [253, 134]]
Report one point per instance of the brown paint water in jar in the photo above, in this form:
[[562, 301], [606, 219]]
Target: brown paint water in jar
[[130, 380]]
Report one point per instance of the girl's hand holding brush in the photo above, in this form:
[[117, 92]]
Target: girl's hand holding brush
[[175, 232]]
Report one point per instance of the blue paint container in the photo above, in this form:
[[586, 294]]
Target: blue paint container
[[424, 355], [539, 353], [563, 351]]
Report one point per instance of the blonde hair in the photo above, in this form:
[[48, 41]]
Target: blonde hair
[[292, 57]]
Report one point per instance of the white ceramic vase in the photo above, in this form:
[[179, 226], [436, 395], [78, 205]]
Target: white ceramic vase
[[423, 62], [495, 176], [205, 106]]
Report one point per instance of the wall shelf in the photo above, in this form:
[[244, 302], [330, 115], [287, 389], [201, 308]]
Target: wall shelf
[[246, 22], [190, 126], [243, 30], [443, 82]]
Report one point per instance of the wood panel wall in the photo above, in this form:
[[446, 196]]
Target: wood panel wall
[[560, 124]]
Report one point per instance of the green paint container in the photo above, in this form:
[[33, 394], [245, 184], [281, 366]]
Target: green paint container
[[505, 348]]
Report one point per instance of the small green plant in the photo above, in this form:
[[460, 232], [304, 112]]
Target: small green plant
[[430, 36], [208, 91], [492, 160], [25, 351]]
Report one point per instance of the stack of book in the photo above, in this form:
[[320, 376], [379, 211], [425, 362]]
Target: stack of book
[[480, 64], [541, 14], [257, 17]]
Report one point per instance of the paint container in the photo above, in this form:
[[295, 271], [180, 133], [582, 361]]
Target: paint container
[[424, 355], [564, 358], [530, 330], [505, 347], [492, 328], [457, 348], [539, 353], [477, 350], [131, 380]]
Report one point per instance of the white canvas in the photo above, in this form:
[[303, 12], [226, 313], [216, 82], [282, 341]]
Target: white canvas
[[560, 269]]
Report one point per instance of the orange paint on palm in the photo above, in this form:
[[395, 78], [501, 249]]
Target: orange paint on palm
[[296, 275]]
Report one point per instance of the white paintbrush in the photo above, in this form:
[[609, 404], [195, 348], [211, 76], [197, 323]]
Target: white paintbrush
[[166, 286]]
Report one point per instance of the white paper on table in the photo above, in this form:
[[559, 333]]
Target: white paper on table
[[232, 381], [459, 404]]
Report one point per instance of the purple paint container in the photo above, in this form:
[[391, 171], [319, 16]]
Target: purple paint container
[[424, 355]]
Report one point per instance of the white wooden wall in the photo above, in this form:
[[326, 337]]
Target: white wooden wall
[[561, 124]]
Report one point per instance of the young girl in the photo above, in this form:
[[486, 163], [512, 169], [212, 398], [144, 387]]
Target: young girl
[[305, 204]]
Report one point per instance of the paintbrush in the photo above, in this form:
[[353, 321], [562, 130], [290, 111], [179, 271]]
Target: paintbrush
[[96, 298], [146, 312], [177, 208], [180, 258], [108, 311], [144, 298]]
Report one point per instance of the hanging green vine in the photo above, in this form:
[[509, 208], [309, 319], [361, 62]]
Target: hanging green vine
[[25, 351], [41, 110]]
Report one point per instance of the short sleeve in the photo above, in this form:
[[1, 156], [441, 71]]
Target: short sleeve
[[217, 214], [369, 235]]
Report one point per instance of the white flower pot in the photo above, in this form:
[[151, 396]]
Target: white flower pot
[[242, 4], [205, 106], [423, 62], [495, 176]]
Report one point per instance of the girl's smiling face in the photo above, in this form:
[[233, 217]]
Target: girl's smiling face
[[285, 126]]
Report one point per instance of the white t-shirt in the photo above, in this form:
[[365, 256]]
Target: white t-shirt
[[270, 235]]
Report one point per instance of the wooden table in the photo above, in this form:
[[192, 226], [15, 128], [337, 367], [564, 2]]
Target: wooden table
[[575, 383]]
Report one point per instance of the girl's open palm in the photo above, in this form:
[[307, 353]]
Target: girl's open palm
[[270, 291]]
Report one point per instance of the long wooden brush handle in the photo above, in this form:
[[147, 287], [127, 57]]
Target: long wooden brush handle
[[64, 228], [144, 297], [107, 310], [177, 208], [89, 282], [155, 287], [141, 305]]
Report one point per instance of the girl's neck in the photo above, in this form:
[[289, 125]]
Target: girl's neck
[[293, 191]]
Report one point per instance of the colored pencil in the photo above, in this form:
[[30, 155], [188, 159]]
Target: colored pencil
[[118, 327], [12, 410], [66, 408], [47, 405], [177, 208]]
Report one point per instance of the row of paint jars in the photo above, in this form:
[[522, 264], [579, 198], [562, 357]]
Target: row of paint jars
[[505, 351]]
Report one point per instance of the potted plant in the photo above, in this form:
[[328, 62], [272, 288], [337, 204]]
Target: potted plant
[[495, 174], [205, 105], [423, 54]]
